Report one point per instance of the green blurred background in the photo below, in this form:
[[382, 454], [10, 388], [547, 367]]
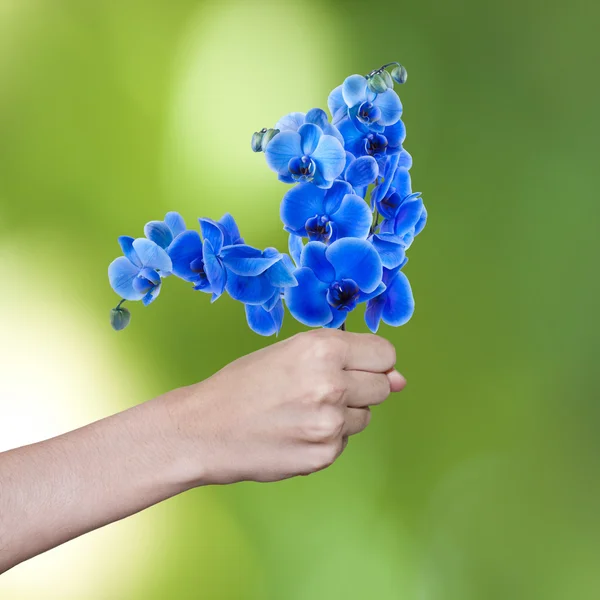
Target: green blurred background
[[480, 481]]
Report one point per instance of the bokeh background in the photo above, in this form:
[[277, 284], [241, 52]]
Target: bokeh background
[[480, 481]]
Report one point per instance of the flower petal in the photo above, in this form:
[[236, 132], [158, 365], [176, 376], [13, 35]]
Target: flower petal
[[395, 135], [280, 275], [408, 216], [249, 290], [265, 322], [421, 222], [362, 297], [214, 269], [281, 149], [404, 159], [354, 90], [245, 260], [402, 182], [307, 301], [159, 233], [353, 218], [362, 171], [329, 157], [390, 106], [291, 122], [126, 243], [272, 301], [121, 273], [231, 230], [295, 247], [374, 312], [185, 248], [314, 257], [390, 248], [310, 135], [152, 255], [399, 302], [213, 232], [318, 117], [338, 317], [354, 140], [175, 223], [152, 295], [337, 105], [357, 260], [299, 204]]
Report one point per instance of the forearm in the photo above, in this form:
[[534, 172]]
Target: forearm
[[55, 490]]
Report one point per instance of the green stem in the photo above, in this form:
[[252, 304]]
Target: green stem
[[342, 327], [119, 305]]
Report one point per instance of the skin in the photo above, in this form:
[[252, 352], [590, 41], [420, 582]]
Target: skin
[[283, 411]]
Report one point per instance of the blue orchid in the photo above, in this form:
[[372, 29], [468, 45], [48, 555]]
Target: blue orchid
[[325, 215], [138, 275], [376, 144], [306, 155], [360, 173], [395, 305], [332, 280], [316, 116], [367, 110], [164, 232]]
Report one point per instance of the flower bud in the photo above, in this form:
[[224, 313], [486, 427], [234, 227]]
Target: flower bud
[[377, 83], [388, 79], [267, 137], [119, 318], [399, 74], [257, 137]]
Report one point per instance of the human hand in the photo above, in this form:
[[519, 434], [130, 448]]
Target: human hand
[[285, 410]]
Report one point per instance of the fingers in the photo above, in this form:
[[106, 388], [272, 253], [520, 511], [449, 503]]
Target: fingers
[[397, 381], [355, 421], [366, 389], [368, 352]]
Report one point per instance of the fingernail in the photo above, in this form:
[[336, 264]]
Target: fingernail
[[397, 381]]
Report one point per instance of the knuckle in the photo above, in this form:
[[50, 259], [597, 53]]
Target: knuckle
[[324, 344], [388, 351], [330, 390], [329, 453], [327, 424]]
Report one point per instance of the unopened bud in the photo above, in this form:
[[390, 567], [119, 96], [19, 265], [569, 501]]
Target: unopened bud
[[377, 83], [267, 137], [257, 137], [399, 74], [119, 318]]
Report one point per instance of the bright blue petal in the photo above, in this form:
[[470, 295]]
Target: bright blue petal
[[357, 260], [213, 232], [390, 248], [399, 302], [310, 135], [362, 297], [395, 135], [421, 222], [404, 159], [186, 248], [330, 157], [265, 322], [214, 269], [230, 229], [402, 182], [354, 140], [273, 300], [354, 90], [390, 106], [295, 247], [387, 173], [280, 275], [151, 275], [153, 256], [299, 204], [246, 260], [152, 295], [362, 171], [159, 233], [249, 290], [374, 312], [338, 317], [291, 122], [175, 223], [353, 218], [121, 273], [334, 196], [314, 257], [318, 117], [126, 244], [336, 104], [408, 216], [307, 301], [281, 149]]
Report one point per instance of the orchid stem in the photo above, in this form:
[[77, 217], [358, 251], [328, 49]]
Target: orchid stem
[[342, 327], [119, 305]]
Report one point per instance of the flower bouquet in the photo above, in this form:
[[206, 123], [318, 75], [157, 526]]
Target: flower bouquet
[[351, 215]]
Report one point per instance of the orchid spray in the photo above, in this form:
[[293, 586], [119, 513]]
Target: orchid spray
[[351, 216]]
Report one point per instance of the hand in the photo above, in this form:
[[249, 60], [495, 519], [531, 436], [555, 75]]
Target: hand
[[285, 410]]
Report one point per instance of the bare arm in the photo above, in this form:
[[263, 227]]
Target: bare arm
[[283, 411]]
